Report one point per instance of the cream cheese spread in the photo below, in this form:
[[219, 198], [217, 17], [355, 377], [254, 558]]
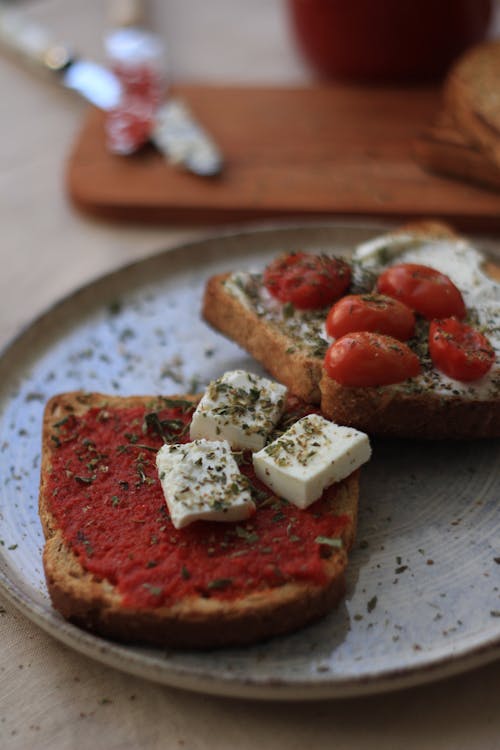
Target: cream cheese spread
[[456, 258]]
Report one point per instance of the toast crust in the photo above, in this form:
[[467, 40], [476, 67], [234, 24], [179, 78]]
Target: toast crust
[[266, 343], [386, 411], [378, 411], [193, 621]]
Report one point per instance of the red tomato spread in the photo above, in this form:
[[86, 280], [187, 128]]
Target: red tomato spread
[[106, 498]]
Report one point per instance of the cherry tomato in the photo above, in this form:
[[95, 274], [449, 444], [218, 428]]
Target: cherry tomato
[[460, 351], [425, 290], [363, 359], [307, 281], [370, 312]]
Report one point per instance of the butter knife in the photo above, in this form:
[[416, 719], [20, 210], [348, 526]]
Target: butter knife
[[35, 44]]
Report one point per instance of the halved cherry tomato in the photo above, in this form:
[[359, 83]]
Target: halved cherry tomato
[[307, 281], [363, 359], [425, 290], [460, 351], [370, 312]]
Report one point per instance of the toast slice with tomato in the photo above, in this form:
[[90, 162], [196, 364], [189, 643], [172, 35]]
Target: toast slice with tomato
[[426, 402], [116, 565]]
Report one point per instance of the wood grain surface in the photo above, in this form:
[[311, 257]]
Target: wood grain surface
[[302, 152]]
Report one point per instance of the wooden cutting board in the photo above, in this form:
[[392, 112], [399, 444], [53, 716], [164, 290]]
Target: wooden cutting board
[[310, 152]]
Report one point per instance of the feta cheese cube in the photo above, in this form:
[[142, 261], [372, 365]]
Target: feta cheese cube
[[309, 457], [202, 481], [241, 408]]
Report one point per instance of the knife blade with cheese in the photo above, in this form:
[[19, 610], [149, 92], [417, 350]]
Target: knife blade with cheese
[[171, 127], [137, 55]]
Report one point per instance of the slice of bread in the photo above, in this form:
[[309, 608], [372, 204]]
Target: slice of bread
[[420, 412], [471, 95], [442, 148], [202, 617]]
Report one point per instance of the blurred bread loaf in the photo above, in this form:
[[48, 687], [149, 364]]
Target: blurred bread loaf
[[464, 140]]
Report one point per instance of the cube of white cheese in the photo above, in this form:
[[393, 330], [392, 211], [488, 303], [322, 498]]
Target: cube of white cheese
[[202, 481], [309, 457], [239, 407]]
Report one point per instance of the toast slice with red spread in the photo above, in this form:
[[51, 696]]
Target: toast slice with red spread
[[115, 565], [291, 344]]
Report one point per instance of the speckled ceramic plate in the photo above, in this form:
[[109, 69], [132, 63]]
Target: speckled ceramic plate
[[423, 597]]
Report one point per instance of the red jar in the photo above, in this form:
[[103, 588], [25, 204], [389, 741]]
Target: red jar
[[390, 40]]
